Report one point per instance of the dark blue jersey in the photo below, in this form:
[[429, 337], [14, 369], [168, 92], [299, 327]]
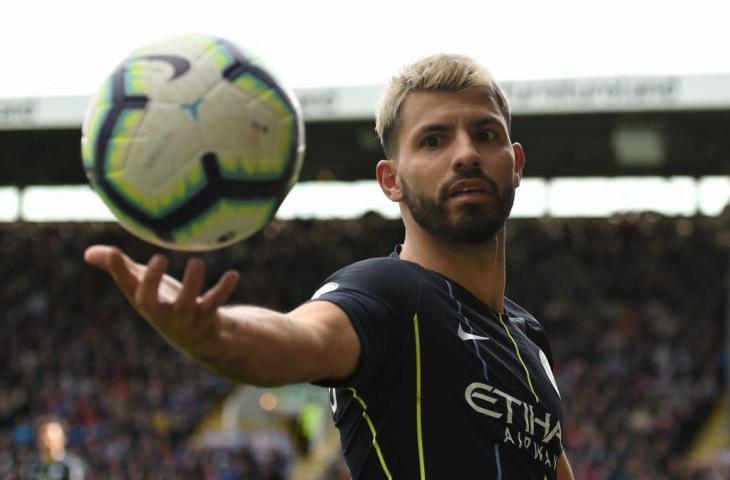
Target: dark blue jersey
[[445, 387]]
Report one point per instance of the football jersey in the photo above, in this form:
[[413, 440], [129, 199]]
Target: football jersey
[[445, 387]]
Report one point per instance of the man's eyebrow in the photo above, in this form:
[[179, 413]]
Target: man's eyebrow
[[484, 121], [433, 128], [443, 127]]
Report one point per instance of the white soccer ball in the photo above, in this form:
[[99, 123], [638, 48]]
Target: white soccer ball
[[192, 143]]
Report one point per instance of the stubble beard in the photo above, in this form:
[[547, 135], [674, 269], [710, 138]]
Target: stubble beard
[[473, 223]]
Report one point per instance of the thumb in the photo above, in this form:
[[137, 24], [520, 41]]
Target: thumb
[[122, 269], [101, 256]]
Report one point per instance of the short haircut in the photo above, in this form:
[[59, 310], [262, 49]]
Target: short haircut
[[43, 420], [436, 72]]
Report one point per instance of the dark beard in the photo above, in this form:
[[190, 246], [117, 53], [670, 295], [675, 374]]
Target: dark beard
[[477, 223]]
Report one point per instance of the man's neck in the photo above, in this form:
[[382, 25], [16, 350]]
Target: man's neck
[[53, 454], [478, 268]]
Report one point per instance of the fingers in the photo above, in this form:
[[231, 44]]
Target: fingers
[[147, 287], [123, 270], [192, 285], [146, 297], [219, 293], [98, 255]]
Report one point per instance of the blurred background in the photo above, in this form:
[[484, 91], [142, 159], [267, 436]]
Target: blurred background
[[619, 242]]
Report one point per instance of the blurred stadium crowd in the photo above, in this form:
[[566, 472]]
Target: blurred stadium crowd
[[634, 308]]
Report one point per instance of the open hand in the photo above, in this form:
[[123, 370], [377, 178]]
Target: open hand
[[181, 312]]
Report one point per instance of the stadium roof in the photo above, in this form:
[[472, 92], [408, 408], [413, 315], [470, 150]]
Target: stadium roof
[[561, 96]]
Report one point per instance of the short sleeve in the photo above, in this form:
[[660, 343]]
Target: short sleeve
[[380, 297]]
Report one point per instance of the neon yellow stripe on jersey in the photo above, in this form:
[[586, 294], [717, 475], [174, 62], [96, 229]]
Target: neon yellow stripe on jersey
[[419, 428], [519, 356], [372, 431]]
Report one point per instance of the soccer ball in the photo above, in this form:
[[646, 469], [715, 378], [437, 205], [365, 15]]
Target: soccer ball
[[192, 143]]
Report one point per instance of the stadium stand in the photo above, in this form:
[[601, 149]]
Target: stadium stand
[[634, 307]]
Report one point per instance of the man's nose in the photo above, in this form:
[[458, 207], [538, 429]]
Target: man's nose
[[466, 153]]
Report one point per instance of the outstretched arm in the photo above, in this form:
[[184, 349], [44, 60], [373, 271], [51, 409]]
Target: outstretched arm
[[244, 343]]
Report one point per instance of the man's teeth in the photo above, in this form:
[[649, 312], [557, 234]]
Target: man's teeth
[[469, 190]]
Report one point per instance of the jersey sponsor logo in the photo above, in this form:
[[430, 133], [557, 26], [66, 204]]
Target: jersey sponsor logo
[[548, 370], [326, 288], [468, 336], [539, 435]]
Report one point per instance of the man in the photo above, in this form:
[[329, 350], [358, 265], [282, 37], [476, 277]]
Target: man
[[54, 462], [434, 373]]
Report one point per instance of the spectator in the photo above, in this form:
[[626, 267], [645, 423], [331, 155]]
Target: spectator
[[53, 460]]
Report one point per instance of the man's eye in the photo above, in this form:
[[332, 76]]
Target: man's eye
[[486, 135], [432, 141]]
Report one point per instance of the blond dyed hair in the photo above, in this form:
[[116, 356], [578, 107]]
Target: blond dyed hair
[[437, 72]]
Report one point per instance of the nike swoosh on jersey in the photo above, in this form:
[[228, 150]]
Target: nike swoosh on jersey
[[469, 336]]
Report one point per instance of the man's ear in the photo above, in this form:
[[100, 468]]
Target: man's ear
[[387, 174], [520, 160]]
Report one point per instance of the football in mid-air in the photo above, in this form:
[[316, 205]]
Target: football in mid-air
[[192, 143]]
